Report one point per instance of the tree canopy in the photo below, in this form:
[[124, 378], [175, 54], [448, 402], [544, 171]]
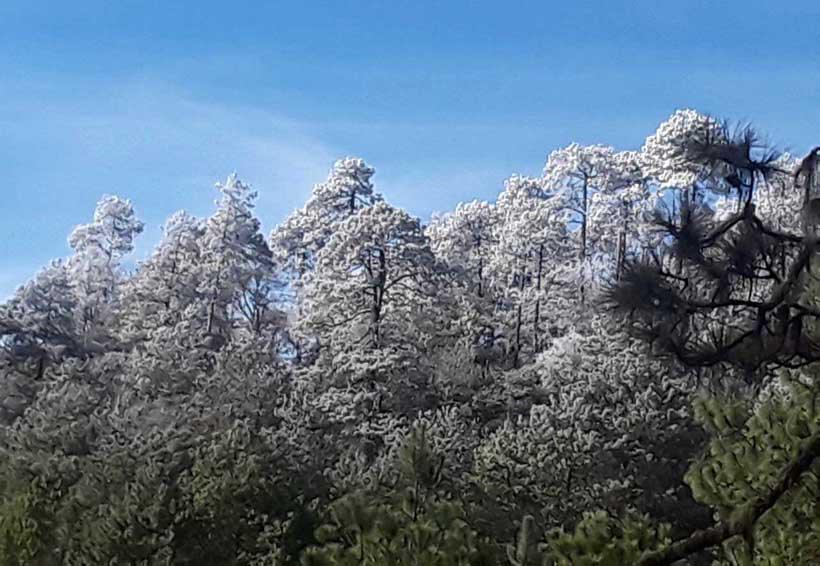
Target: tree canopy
[[612, 363]]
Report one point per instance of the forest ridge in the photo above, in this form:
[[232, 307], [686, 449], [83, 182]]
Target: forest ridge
[[613, 363]]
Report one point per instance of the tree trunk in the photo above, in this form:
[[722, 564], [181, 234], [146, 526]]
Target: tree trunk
[[585, 197], [378, 298], [537, 319]]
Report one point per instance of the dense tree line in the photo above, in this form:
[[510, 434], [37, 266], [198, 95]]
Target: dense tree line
[[613, 363]]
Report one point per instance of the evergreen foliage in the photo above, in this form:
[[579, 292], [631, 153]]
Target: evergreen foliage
[[750, 446], [413, 522], [613, 363]]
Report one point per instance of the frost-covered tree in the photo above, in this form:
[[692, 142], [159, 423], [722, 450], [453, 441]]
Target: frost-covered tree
[[439, 394], [578, 173], [741, 298], [592, 421], [532, 265], [94, 268], [69, 309], [723, 289], [668, 154], [348, 188], [111, 233], [370, 301], [618, 218], [163, 291], [465, 242], [37, 332], [237, 272], [37, 324], [296, 242]]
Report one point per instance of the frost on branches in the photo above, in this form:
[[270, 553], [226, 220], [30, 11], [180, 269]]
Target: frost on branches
[[299, 238], [583, 370]]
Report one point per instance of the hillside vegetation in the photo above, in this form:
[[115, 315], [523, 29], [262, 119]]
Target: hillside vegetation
[[613, 363]]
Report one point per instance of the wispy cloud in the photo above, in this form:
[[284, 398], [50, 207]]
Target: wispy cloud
[[157, 145], [165, 147]]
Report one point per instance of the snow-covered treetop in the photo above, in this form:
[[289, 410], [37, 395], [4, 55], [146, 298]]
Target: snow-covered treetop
[[457, 235], [233, 219], [299, 238], [111, 232], [348, 187], [370, 299], [233, 189], [520, 189], [576, 164], [529, 212], [666, 153]]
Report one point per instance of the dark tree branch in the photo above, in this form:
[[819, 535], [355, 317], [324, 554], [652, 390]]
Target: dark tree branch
[[745, 521]]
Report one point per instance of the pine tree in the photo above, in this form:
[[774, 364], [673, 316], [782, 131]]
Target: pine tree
[[751, 444], [412, 524]]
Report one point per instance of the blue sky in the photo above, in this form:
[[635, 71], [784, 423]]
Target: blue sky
[[157, 100]]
